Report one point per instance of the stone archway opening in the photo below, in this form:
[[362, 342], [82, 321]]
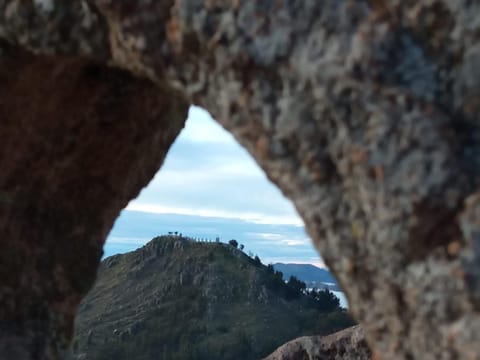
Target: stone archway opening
[[191, 206], [207, 175]]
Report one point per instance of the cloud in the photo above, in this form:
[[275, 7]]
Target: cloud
[[283, 239], [133, 241], [256, 218], [207, 173]]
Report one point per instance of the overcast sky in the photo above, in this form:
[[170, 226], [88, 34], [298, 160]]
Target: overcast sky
[[213, 187], [208, 173]]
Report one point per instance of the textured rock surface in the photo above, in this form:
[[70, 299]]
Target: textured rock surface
[[78, 141], [364, 113], [348, 344]]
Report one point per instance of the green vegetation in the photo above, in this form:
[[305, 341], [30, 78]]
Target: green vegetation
[[295, 288], [325, 299], [179, 299]]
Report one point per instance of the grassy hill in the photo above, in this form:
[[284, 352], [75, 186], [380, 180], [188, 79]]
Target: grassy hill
[[179, 299]]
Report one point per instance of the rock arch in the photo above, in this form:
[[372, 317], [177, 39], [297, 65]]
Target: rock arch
[[362, 112]]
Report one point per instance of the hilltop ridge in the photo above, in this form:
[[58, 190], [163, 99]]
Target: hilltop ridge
[[176, 298]]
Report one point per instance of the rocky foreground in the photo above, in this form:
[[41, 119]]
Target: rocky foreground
[[348, 344]]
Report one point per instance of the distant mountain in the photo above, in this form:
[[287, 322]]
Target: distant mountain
[[313, 276], [179, 299]]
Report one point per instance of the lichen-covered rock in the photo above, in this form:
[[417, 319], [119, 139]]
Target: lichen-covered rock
[[364, 113], [348, 344]]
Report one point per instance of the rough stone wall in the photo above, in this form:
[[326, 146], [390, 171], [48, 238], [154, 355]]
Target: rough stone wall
[[78, 141], [364, 113]]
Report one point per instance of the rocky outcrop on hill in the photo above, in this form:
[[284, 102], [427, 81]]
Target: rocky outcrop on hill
[[348, 344], [364, 113]]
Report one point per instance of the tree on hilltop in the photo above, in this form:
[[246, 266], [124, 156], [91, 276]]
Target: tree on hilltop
[[295, 286], [270, 269]]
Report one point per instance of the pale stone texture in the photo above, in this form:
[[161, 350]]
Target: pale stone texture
[[364, 113], [348, 344]]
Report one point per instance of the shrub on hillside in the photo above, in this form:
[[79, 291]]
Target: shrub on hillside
[[326, 300]]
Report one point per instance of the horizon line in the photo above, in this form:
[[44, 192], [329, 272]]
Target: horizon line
[[208, 213]]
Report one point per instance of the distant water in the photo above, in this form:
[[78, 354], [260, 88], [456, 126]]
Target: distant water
[[272, 243], [342, 298]]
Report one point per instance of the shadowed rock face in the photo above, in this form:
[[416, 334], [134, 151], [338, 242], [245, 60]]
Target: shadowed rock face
[[364, 113], [66, 125], [348, 344]]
